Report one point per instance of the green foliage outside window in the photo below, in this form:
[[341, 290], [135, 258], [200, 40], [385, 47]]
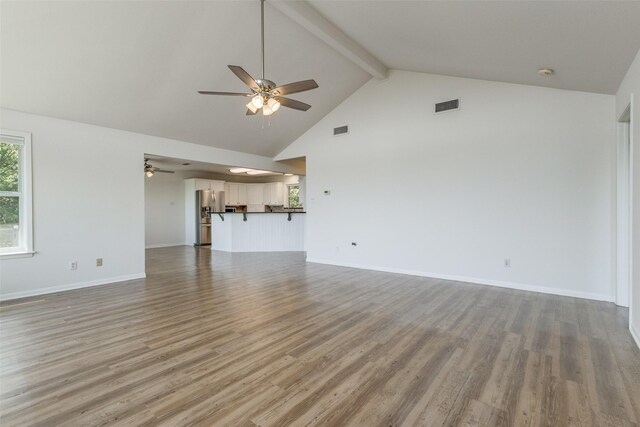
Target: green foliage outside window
[[9, 204], [294, 196], [9, 157]]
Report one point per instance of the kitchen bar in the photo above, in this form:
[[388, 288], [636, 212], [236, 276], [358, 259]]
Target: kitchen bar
[[258, 232]]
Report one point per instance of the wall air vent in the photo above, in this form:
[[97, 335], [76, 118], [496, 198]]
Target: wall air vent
[[340, 130], [441, 107]]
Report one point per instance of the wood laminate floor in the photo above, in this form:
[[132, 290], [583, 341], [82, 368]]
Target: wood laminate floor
[[211, 338]]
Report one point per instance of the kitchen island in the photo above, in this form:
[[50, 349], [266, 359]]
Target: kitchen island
[[258, 231]]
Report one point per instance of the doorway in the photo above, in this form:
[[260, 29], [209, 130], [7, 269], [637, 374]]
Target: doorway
[[624, 218]]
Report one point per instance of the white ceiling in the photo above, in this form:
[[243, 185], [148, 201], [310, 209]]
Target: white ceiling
[[136, 65], [590, 44]]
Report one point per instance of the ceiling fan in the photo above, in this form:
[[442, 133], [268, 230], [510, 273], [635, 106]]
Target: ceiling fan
[[265, 94], [150, 170]]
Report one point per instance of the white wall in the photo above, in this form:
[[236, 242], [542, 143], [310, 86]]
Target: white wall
[[164, 210], [88, 201], [631, 86], [519, 172]]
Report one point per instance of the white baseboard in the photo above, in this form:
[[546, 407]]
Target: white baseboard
[[634, 334], [166, 245], [478, 281], [60, 288]]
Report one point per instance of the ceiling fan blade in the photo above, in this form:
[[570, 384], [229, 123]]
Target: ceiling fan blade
[[295, 87], [206, 92], [292, 103], [162, 170], [245, 77], [251, 113]]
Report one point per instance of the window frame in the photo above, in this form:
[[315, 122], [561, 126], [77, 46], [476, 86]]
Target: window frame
[[24, 193], [289, 192]]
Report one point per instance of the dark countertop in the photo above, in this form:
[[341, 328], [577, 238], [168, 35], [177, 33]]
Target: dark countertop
[[253, 213]]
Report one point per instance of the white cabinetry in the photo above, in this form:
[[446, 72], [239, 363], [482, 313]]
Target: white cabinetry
[[208, 184], [255, 198], [202, 184], [231, 193], [242, 194], [255, 194], [216, 185], [235, 193], [274, 193], [279, 193]]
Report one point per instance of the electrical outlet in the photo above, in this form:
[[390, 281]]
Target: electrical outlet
[[73, 265], [98, 262], [507, 262], [327, 192], [354, 243]]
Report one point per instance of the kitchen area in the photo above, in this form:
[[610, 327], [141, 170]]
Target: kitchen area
[[222, 207], [245, 217]]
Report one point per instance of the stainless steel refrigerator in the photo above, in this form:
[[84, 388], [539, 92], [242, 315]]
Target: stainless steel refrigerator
[[207, 203]]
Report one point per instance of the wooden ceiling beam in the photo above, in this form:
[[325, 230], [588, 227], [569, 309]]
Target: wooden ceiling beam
[[305, 15]]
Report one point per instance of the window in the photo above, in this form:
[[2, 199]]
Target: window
[[294, 196], [15, 193]]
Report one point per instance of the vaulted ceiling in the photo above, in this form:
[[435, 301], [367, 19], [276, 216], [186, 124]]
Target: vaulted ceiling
[[137, 65], [589, 44]]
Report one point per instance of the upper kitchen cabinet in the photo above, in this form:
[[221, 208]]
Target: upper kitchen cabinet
[[274, 193], [230, 193], [278, 197], [208, 184], [242, 194], [255, 194], [202, 184], [235, 193], [255, 197]]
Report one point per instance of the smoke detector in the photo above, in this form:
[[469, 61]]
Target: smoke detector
[[546, 72]]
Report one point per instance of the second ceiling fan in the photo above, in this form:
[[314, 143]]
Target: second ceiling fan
[[265, 95]]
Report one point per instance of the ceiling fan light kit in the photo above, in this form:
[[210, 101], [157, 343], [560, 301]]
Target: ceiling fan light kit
[[265, 94], [273, 104], [257, 101], [251, 108], [150, 170]]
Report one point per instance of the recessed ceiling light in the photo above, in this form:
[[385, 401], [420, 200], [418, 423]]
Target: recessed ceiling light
[[546, 72], [249, 171], [186, 164]]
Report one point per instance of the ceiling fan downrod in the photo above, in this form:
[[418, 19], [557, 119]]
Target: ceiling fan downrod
[[262, 33]]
